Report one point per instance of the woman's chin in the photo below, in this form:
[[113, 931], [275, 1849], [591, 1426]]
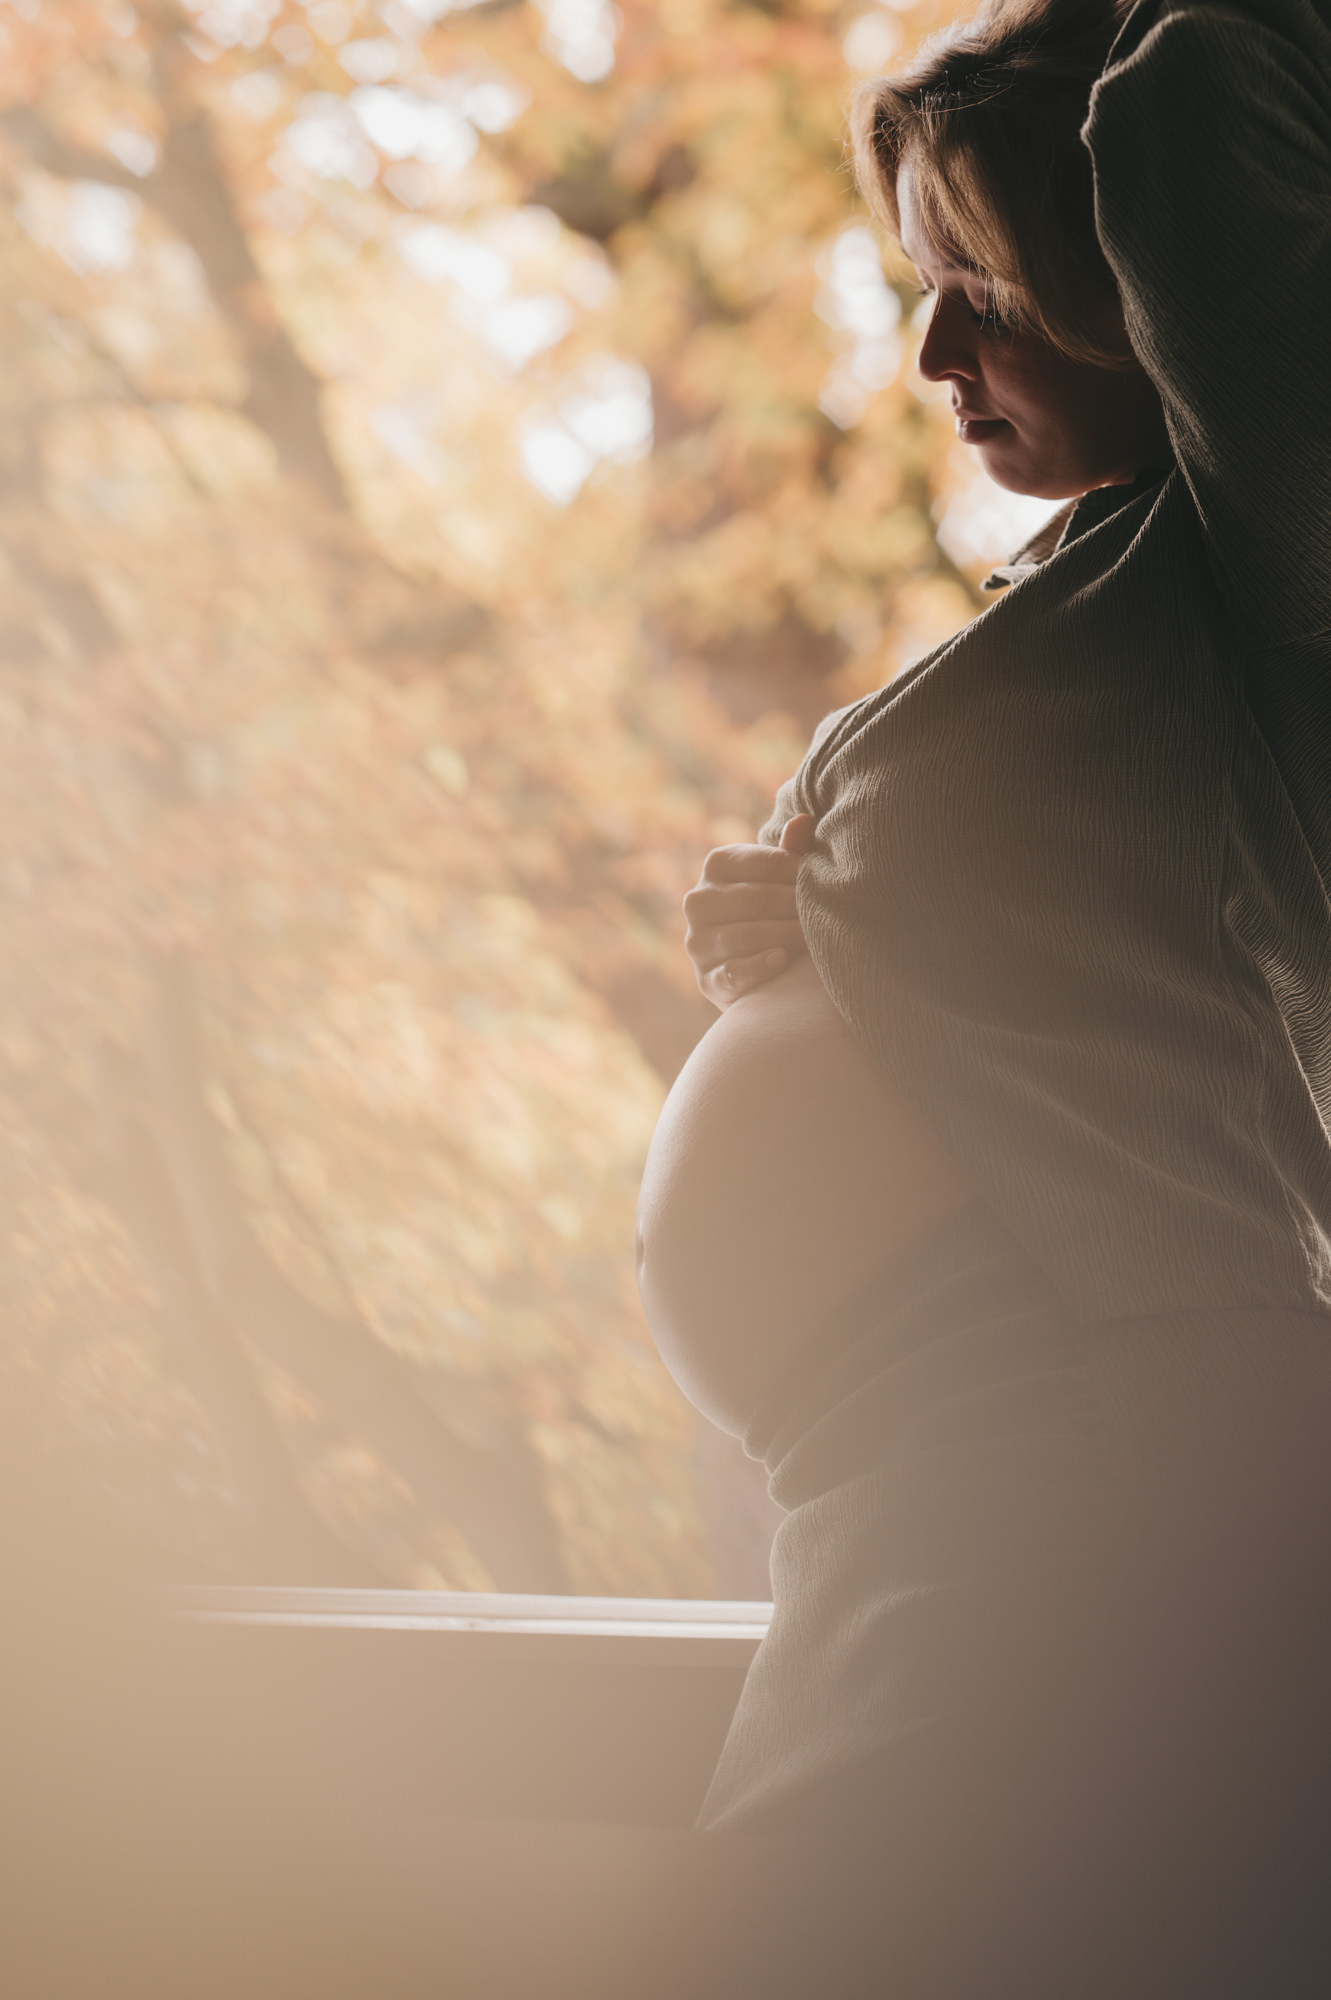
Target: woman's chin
[[1018, 471], [1009, 467]]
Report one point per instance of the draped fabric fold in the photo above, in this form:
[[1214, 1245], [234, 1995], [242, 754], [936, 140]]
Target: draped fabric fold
[[985, 1499]]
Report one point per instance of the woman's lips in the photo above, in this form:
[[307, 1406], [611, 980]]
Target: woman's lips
[[974, 430]]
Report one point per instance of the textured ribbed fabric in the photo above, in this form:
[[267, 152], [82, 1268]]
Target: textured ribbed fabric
[[933, 1446], [1070, 886], [1071, 890], [990, 1502]]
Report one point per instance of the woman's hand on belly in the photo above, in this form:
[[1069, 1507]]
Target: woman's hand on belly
[[783, 1173], [743, 927]]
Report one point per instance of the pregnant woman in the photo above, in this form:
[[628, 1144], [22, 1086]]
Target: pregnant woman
[[999, 1224]]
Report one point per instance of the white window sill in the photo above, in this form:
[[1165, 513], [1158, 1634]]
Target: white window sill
[[471, 1706], [595, 1630]]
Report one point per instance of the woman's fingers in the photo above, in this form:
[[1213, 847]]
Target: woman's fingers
[[743, 928], [738, 976], [737, 960], [708, 908], [716, 944], [797, 834], [750, 862]]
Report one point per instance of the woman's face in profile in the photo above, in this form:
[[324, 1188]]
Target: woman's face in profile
[[1043, 423]]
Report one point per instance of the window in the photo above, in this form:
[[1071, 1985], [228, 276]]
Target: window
[[455, 453]]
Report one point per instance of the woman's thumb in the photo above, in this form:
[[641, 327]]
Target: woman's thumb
[[797, 834]]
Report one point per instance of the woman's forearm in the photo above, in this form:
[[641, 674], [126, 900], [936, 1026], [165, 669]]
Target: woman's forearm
[[1211, 137]]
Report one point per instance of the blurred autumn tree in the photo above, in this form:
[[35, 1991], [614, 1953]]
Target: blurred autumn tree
[[451, 455]]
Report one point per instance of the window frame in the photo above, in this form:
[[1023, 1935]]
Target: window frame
[[401, 1707]]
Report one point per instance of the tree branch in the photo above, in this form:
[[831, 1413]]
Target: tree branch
[[285, 397], [285, 1537], [188, 189], [28, 129], [488, 1483]]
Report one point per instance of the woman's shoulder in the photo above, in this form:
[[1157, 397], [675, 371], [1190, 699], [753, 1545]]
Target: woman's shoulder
[[1122, 617], [1053, 745]]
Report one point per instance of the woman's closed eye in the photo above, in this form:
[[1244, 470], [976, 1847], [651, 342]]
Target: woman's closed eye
[[986, 316], [989, 317]]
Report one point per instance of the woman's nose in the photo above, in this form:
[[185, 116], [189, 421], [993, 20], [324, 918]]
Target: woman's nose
[[947, 352]]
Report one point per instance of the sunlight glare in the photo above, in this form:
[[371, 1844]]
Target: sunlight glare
[[555, 463], [405, 125]]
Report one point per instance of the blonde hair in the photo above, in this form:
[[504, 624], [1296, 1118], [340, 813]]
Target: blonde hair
[[989, 118]]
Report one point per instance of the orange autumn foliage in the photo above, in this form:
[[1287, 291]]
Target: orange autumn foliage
[[453, 453]]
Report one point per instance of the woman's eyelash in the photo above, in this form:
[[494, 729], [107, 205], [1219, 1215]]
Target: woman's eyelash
[[990, 317], [987, 315]]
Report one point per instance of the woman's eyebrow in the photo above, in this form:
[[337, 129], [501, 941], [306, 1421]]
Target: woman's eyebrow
[[952, 268], [967, 271]]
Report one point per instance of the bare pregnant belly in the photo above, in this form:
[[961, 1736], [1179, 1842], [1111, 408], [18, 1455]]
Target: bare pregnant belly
[[783, 1173]]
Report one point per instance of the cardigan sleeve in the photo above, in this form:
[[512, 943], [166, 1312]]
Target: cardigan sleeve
[[794, 795], [1210, 133]]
